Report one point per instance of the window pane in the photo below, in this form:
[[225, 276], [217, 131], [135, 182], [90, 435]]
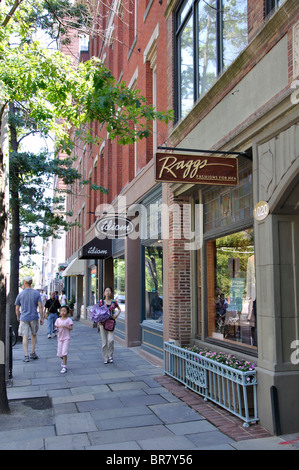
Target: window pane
[[154, 282], [119, 281], [235, 31], [227, 206], [231, 288], [183, 11], [207, 51], [186, 68]]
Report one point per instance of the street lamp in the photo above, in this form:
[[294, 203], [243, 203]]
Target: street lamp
[[30, 236]]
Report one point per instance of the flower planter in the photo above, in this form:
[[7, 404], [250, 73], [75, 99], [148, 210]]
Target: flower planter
[[232, 387]]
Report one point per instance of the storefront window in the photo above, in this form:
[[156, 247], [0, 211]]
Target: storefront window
[[154, 282], [119, 281], [231, 288], [227, 206], [93, 285]]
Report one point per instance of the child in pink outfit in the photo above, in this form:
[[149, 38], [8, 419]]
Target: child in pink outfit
[[64, 325]]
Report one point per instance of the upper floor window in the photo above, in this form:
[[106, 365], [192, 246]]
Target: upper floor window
[[272, 5], [209, 36], [84, 43]]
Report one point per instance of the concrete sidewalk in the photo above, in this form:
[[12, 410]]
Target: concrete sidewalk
[[119, 406]]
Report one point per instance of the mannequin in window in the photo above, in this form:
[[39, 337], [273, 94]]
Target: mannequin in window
[[251, 295]]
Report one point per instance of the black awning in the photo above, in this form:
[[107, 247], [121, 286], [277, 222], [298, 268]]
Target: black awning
[[96, 249]]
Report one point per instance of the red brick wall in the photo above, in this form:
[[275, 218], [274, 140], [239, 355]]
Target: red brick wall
[[179, 275], [256, 15], [123, 56]]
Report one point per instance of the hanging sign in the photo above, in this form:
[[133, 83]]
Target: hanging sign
[[261, 210], [96, 249], [204, 169]]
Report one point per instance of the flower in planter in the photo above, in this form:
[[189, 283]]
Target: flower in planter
[[224, 358]]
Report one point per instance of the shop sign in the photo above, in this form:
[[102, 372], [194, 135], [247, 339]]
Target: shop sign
[[204, 169], [261, 210], [96, 249], [114, 226]]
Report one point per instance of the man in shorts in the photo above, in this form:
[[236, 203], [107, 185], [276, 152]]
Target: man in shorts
[[26, 310]]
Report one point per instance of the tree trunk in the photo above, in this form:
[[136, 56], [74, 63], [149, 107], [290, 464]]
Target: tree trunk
[[15, 230], [4, 407]]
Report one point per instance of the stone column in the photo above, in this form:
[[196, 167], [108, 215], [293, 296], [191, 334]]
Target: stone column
[[276, 166]]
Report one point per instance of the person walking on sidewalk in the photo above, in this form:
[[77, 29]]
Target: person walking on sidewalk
[[26, 305], [52, 306], [63, 299], [108, 336], [64, 325]]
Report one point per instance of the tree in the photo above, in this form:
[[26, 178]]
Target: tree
[[59, 98]]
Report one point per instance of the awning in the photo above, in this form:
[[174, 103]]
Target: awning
[[96, 249], [75, 268]]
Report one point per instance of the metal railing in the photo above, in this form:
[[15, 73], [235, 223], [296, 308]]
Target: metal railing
[[229, 388]]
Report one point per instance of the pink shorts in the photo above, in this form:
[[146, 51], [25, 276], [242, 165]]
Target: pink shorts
[[62, 347]]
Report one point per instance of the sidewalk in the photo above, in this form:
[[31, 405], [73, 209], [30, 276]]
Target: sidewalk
[[128, 405]]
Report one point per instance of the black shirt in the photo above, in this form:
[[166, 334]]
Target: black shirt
[[52, 305]]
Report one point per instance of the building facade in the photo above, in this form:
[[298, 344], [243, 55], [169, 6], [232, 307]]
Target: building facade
[[214, 264]]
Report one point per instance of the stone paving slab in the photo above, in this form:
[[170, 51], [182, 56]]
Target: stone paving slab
[[174, 443], [74, 423], [117, 436], [73, 398], [120, 446], [126, 422], [191, 427], [175, 413], [67, 442]]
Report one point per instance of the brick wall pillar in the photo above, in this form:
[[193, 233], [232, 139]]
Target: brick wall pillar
[[178, 283]]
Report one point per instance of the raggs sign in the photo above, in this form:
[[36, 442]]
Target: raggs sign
[[173, 168]]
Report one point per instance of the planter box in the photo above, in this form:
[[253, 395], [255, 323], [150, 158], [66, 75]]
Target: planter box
[[230, 388]]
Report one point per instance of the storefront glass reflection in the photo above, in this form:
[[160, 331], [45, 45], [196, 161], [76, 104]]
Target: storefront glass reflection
[[231, 288], [154, 282], [119, 282]]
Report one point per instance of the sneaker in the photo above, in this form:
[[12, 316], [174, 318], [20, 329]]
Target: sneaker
[[63, 370], [33, 356], [49, 336], [26, 359], [106, 361], [110, 359]]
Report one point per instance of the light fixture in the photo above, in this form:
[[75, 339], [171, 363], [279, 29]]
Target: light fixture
[[30, 236]]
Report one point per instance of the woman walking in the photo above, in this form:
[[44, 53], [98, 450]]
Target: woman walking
[[108, 336]]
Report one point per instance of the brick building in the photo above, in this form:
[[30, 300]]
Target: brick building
[[230, 71]]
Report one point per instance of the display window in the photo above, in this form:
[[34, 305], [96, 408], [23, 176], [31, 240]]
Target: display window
[[93, 280], [153, 265], [119, 281], [231, 289]]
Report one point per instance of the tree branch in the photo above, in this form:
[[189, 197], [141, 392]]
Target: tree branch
[[12, 12]]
